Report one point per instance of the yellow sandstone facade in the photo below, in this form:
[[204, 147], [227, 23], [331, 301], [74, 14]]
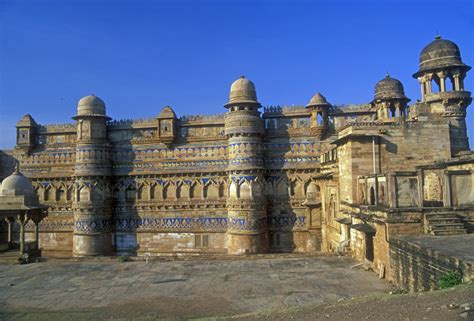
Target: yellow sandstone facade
[[308, 178]]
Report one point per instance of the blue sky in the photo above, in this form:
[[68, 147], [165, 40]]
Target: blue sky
[[142, 55]]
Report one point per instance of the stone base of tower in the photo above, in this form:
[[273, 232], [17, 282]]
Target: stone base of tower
[[92, 244], [239, 244]]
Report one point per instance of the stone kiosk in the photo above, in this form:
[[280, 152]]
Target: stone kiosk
[[19, 204]]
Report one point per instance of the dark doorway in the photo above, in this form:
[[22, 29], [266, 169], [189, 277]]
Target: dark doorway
[[369, 247], [372, 196]]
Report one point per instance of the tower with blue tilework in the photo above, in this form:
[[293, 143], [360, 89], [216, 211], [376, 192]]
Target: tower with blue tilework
[[92, 204], [247, 230]]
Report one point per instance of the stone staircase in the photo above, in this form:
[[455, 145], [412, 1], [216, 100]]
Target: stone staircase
[[9, 257], [444, 223]]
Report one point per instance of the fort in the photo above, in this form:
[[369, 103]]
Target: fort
[[316, 178]]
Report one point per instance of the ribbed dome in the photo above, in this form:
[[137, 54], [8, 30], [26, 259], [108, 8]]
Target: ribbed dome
[[242, 91], [17, 184], [318, 100], [91, 105], [440, 53], [389, 88]]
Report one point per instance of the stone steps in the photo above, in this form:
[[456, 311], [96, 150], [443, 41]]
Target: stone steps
[[9, 257], [448, 232], [447, 220], [444, 223]]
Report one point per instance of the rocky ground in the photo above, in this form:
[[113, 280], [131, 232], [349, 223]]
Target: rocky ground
[[444, 305], [261, 288]]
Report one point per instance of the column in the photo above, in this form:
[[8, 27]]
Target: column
[[10, 221], [442, 81], [36, 221], [422, 85], [461, 81], [428, 78], [457, 83], [22, 220]]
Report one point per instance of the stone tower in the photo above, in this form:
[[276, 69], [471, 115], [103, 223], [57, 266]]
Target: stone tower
[[25, 133], [247, 215], [390, 100], [92, 203], [319, 121], [441, 64]]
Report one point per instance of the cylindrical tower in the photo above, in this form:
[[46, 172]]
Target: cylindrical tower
[[441, 64], [92, 203], [390, 100], [247, 215]]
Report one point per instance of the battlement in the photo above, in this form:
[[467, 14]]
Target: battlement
[[57, 128], [351, 108], [202, 119], [132, 123]]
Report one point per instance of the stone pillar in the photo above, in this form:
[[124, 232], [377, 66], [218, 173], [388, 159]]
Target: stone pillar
[[37, 234], [422, 85], [447, 190], [22, 219], [10, 221], [442, 81], [457, 80], [428, 79], [392, 188]]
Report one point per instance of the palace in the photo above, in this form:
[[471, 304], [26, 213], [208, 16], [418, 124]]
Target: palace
[[319, 177]]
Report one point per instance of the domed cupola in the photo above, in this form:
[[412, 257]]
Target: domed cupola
[[441, 53], [389, 88], [440, 61], [91, 106], [17, 190], [16, 185], [389, 99], [319, 108], [242, 92], [91, 119]]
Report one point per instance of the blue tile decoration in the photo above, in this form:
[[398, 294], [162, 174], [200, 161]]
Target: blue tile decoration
[[216, 224], [92, 226], [282, 222], [243, 224]]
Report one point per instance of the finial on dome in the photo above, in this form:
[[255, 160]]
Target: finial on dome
[[387, 75], [242, 77], [437, 36]]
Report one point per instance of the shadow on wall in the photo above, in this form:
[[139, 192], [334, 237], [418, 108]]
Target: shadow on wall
[[280, 189], [125, 217], [7, 164]]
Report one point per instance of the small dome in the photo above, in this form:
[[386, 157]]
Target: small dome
[[389, 88], [17, 184], [318, 100], [440, 53], [242, 91], [91, 105]]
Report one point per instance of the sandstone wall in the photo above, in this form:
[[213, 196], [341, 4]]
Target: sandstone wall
[[416, 268]]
